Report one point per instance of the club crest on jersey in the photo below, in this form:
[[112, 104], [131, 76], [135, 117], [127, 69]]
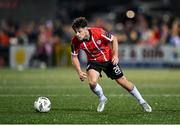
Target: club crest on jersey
[[98, 42]]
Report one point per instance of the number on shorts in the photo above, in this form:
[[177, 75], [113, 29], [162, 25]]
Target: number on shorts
[[117, 70]]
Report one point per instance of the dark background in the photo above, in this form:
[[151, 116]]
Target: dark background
[[68, 9]]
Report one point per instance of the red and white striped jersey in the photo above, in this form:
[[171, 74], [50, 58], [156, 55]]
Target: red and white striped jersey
[[97, 48]]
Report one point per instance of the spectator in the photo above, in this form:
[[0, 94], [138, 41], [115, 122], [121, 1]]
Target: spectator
[[165, 34], [175, 34], [4, 39]]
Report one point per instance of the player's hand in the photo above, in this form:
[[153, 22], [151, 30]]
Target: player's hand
[[82, 76], [115, 60]]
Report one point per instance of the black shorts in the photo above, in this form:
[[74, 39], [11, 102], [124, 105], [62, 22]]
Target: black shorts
[[112, 71]]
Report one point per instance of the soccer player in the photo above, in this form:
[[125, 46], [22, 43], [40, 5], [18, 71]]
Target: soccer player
[[95, 42]]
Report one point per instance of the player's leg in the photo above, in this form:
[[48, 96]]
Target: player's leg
[[93, 76], [134, 91], [115, 72], [130, 88]]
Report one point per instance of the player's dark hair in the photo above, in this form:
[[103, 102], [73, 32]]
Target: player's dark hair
[[79, 22]]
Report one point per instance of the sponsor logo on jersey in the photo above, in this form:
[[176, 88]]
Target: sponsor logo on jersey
[[98, 42]]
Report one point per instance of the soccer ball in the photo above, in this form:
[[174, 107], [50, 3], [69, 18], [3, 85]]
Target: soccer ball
[[42, 104]]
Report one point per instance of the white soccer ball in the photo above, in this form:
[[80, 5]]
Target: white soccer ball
[[42, 104]]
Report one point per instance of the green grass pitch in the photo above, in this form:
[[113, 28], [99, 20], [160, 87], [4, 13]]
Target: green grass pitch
[[73, 102]]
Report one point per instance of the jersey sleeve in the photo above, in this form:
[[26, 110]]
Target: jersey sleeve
[[75, 47], [106, 36]]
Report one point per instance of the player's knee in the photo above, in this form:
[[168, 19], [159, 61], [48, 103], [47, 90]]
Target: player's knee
[[93, 81], [122, 80]]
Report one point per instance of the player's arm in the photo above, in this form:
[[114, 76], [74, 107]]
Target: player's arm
[[115, 58], [76, 64], [108, 37]]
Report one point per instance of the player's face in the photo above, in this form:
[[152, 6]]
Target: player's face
[[81, 33]]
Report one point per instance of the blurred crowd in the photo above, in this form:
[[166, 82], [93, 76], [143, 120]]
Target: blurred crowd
[[52, 37], [144, 30]]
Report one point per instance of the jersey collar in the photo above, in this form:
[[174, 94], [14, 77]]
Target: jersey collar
[[90, 36]]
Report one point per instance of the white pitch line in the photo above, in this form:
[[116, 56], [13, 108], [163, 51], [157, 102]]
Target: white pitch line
[[126, 95], [23, 95], [76, 95]]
